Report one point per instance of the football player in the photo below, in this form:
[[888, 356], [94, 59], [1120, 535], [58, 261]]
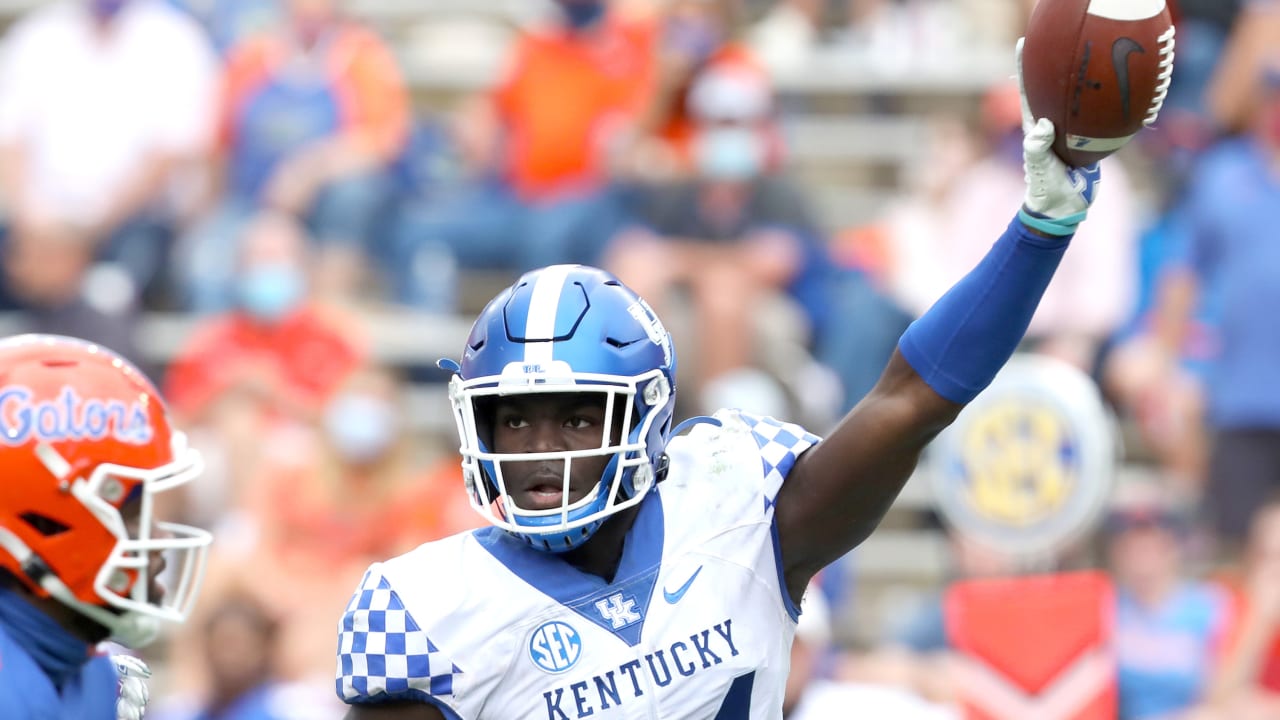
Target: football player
[[86, 445], [636, 570]]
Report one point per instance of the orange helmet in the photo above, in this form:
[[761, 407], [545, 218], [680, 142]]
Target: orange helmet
[[85, 445]]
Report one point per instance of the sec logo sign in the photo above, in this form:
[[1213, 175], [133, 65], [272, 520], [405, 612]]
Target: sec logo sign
[[1029, 464]]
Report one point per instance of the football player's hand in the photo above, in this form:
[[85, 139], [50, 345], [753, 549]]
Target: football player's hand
[[131, 703], [1058, 196]]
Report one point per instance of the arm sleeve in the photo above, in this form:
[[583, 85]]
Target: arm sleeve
[[960, 343]]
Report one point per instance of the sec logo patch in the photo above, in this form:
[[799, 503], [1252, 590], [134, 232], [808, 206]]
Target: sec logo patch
[[1029, 464], [555, 646]]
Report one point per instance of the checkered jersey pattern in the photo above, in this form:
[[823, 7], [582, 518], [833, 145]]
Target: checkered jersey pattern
[[780, 444], [383, 654]]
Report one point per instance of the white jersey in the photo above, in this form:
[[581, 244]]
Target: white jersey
[[696, 624]]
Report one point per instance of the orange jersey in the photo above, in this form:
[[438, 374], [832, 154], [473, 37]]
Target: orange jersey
[[309, 355], [564, 95]]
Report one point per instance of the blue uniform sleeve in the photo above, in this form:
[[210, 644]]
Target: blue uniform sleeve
[[961, 342], [383, 654], [27, 693]]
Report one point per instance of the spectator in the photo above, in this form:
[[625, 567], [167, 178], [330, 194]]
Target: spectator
[[100, 102], [542, 189], [313, 115], [810, 696], [330, 504], [733, 237], [1232, 94], [50, 276], [1233, 253], [239, 641], [1169, 630], [277, 345], [1165, 400], [1247, 684], [1187, 121], [359, 492], [698, 38], [247, 380]]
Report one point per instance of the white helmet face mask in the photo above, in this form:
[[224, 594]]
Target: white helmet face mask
[[564, 329], [484, 469], [124, 581]]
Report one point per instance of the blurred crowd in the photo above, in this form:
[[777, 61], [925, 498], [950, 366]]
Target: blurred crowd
[[267, 170]]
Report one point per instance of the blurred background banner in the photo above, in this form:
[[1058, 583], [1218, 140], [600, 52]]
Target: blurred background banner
[[1035, 647]]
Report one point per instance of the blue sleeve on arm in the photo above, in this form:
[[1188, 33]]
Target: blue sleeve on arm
[[961, 342]]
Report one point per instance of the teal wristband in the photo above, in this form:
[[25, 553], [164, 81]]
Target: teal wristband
[[1051, 226]]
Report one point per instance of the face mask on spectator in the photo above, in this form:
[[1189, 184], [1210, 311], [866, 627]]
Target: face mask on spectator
[[580, 14], [361, 427], [106, 9], [729, 153], [269, 292]]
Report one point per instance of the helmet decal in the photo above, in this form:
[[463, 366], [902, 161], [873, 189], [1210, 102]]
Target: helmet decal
[[87, 446], [658, 334], [70, 417]]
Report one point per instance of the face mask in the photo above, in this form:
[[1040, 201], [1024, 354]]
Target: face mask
[[730, 153], [580, 14], [269, 292], [361, 427]]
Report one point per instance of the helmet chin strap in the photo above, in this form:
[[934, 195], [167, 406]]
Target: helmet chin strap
[[132, 630]]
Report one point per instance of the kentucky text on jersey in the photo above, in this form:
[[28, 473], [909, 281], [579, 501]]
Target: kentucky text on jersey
[[662, 667], [70, 417]]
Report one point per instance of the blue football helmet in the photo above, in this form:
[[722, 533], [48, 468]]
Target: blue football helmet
[[566, 328]]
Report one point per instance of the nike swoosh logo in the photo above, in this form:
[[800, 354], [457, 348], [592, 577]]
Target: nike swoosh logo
[[674, 597], [1121, 49]]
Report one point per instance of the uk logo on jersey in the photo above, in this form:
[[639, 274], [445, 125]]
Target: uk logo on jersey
[[555, 646], [618, 610]]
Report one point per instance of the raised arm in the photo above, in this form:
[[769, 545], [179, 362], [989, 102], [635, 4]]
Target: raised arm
[[839, 490]]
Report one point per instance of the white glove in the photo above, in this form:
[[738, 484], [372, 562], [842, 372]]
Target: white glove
[[1058, 197], [131, 704]]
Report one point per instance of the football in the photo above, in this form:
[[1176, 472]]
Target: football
[[1099, 69]]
